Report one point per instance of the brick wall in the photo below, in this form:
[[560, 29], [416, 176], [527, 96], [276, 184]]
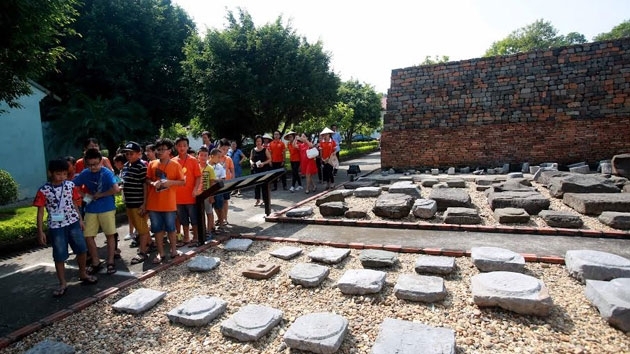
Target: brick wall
[[563, 105]]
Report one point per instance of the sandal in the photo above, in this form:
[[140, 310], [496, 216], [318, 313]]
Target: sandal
[[89, 280], [111, 268], [59, 292], [176, 254], [182, 244], [257, 203], [93, 269], [158, 259], [139, 258]]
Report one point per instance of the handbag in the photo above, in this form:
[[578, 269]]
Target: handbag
[[333, 161], [312, 153]]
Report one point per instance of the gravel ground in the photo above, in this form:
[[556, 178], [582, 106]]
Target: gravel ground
[[480, 202], [574, 326]]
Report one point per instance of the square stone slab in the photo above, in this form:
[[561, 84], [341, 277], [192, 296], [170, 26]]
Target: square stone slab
[[422, 288], [612, 299], [406, 337], [300, 212], [308, 274], [139, 301], [377, 258], [48, 346], [197, 311], [238, 244], [488, 259], [261, 270], [329, 255], [435, 264], [251, 322], [320, 332], [596, 265], [361, 281], [203, 264], [515, 292], [286, 252], [511, 215]]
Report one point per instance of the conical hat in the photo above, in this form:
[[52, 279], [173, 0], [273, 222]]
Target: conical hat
[[290, 132], [326, 131], [266, 136]]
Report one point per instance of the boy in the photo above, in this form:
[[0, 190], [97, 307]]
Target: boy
[[91, 143], [162, 175], [185, 196], [134, 175], [219, 171], [208, 178], [100, 209], [60, 198]]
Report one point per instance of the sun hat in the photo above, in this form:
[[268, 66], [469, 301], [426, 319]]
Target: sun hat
[[326, 131], [290, 132], [266, 136]]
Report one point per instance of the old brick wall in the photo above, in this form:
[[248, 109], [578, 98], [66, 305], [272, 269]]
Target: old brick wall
[[563, 105]]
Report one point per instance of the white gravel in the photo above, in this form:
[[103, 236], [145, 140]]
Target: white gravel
[[574, 326]]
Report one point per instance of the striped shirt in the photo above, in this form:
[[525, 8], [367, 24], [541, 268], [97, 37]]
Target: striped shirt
[[134, 176]]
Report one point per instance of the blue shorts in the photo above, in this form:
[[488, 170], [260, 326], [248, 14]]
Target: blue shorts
[[226, 196], [61, 237], [187, 214], [162, 221], [218, 201]]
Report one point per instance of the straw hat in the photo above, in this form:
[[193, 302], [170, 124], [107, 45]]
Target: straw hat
[[326, 131], [266, 136], [290, 132]]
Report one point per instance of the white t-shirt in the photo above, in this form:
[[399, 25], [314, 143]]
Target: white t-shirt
[[219, 171]]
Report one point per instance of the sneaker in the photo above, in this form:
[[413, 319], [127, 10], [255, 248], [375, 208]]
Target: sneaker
[[291, 189], [298, 188], [128, 237]]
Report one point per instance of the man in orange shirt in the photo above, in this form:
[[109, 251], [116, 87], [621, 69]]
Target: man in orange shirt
[[163, 176], [186, 207], [277, 149]]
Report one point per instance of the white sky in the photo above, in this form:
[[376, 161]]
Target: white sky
[[368, 39]]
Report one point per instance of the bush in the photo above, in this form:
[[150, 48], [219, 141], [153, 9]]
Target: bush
[[18, 224], [8, 188]]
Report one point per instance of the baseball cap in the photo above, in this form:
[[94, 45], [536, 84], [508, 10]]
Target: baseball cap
[[132, 146]]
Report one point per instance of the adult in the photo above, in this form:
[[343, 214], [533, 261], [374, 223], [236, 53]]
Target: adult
[[327, 148], [336, 137], [308, 165], [260, 160], [266, 140], [278, 153], [294, 157], [238, 158], [206, 139]]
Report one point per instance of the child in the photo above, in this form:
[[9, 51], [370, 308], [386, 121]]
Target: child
[[185, 195], [59, 198], [228, 165], [100, 208], [208, 178], [119, 163], [219, 171]]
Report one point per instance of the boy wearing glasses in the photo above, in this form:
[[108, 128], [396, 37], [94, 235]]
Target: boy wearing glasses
[[100, 185], [162, 175]]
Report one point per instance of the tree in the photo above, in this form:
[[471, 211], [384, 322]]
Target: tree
[[366, 108], [538, 35], [435, 60], [620, 31], [130, 49], [31, 34], [247, 80]]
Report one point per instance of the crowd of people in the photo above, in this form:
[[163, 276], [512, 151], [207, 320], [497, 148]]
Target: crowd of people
[[159, 184]]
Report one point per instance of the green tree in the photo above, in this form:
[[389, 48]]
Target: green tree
[[130, 49], [365, 104], [620, 31], [246, 80], [538, 35], [30, 41], [435, 60]]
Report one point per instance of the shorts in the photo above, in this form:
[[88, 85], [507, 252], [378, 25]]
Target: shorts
[[140, 222], [226, 196], [218, 201], [207, 206], [162, 221], [61, 237], [187, 214], [106, 220]]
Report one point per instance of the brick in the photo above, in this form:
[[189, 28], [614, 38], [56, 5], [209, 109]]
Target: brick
[[129, 282], [411, 250], [432, 251], [453, 253], [551, 259], [356, 245], [55, 317], [105, 293], [374, 246], [5, 342], [83, 304], [25, 331], [146, 275], [338, 244], [392, 248], [530, 257]]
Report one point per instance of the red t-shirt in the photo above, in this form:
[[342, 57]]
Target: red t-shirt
[[164, 200], [327, 148], [277, 150], [294, 153]]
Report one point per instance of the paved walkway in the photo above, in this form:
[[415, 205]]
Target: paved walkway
[[28, 278]]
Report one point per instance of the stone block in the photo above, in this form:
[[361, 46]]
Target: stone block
[[424, 208], [334, 196], [456, 183], [451, 171], [584, 169], [355, 214], [532, 202], [435, 264], [405, 187], [429, 182], [367, 192], [621, 165], [564, 219], [393, 206], [596, 265], [460, 216], [615, 219], [329, 255], [612, 299], [406, 337], [320, 332], [48, 346], [139, 301], [450, 197], [308, 274], [251, 322], [513, 175], [299, 212], [261, 270], [361, 281], [511, 215], [596, 203], [377, 258], [488, 259], [577, 183], [511, 291], [421, 288], [197, 311], [286, 252], [360, 183], [238, 244], [333, 209], [203, 264]]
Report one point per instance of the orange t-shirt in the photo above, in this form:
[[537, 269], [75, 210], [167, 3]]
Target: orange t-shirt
[[164, 200], [228, 164], [80, 165], [277, 150], [294, 153], [191, 170], [328, 148]]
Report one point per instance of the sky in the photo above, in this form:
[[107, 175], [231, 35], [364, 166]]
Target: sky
[[369, 39]]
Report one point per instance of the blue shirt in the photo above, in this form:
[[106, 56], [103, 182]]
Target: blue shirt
[[337, 138], [236, 157], [97, 182]]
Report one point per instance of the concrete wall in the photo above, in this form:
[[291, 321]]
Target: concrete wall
[[564, 105], [22, 153]]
